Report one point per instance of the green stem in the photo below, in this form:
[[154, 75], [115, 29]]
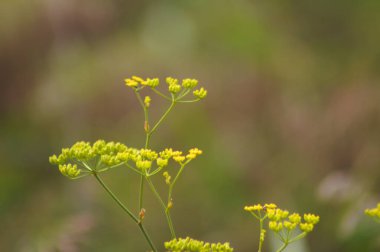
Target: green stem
[[298, 237], [161, 94], [141, 194], [261, 241], [283, 247], [164, 207], [113, 196], [174, 181], [170, 222], [183, 94], [163, 117], [146, 128], [189, 101]]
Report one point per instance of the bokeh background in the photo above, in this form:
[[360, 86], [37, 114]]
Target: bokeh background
[[292, 117]]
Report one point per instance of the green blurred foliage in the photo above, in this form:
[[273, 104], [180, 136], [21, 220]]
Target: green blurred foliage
[[292, 117]]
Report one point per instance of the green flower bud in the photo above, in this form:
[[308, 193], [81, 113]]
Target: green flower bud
[[167, 177], [200, 93], [69, 170], [306, 227], [152, 82], [162, 162], [275, 226], [311, 218], [144, 164], [295, 218], [189, 83], [147, 101], [174, 88], [53, 160]]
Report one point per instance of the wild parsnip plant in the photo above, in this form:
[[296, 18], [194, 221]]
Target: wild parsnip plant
[[374, 213], [190, 245], [287, 227], [86, 159]]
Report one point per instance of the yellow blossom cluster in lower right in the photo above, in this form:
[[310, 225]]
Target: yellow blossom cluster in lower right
[[282, 223]]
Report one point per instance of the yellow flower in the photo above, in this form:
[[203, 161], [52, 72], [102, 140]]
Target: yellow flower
[[131, 83]]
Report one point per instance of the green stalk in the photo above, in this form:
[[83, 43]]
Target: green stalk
[[134, 218], [174, 181], [162, 118], [146, 128], [283, 247], [149, 133], [261, 230], [164, 207]]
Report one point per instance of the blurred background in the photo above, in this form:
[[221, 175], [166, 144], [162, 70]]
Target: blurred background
[[292, 117]]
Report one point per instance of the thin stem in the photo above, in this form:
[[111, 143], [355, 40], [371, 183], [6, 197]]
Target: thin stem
[[188, 101], [115, 198], [283, 247], [165, 207], [174, 181], [261, 241], [154, 190], [155, 171], [298, 237], [146, 128], [141, 194], [163, 117], [161, 94], [133, 169], [183, 94], [170, 222], [139, 223]]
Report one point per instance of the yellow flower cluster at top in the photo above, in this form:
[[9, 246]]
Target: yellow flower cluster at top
[[374, 212], [102, 156], [281, 219], [191, 245], [174, 86]]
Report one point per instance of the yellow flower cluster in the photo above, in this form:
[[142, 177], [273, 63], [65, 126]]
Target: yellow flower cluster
[[281, 219], [259, 207], [191, 245], [178, 156], [136, 81], [102, 155], [200, 93], [374, 212], [174, 86]]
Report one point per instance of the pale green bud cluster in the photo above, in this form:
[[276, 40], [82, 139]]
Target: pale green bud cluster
[[112, 154], [69, 170], [109, 154], [189, 83], [162, 162], [374, 212], [191, 245], [200, 93], [151, 82], [174, 87]]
